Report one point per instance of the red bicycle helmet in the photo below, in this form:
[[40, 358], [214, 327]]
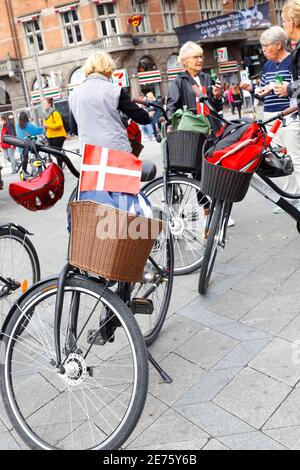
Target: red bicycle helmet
[[41, 192]]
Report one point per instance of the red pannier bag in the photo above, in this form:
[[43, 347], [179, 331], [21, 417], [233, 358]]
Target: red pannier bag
[[239, 147], [41, 192]]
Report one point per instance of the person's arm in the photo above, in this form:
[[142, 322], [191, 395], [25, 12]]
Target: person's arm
[[132, 110], [54, 121], [174, 100], [33, 129]]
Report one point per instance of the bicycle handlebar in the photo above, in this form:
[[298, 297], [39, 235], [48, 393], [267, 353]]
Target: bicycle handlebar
[[43, 148], [281, 115], [149, 104]]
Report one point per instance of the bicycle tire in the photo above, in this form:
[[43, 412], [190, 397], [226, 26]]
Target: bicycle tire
[[22, 265], [52, 423], [151, 325], [191, 237], [211, 249]]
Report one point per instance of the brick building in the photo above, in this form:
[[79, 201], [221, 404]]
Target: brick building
[[62, 33]]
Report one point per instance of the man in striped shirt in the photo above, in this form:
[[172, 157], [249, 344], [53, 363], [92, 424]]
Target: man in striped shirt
[[279, 68]]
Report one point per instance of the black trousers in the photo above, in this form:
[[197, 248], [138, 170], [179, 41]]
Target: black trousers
[[57, 142]]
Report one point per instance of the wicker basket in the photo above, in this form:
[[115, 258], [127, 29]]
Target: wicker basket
[[185, 150], [104, 241], [222, 183]]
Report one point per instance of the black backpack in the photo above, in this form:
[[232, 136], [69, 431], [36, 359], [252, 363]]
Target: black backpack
[[66, 123]]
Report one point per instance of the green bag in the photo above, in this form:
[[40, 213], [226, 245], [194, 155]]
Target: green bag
[[184, 120]]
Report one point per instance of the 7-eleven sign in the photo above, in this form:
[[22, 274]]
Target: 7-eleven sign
[[120, 77]]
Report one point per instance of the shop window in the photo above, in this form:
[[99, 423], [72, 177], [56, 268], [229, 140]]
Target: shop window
[[146, 64]]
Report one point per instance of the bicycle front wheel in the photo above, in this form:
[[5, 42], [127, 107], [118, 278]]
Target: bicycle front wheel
[[187, 207], [215, 232], [19, 266], [95, 399]]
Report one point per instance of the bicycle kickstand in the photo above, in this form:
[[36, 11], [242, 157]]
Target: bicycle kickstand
[[166, 378]]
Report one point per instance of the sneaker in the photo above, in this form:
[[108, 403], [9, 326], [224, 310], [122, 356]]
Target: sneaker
[[231, 222], [278, 210]]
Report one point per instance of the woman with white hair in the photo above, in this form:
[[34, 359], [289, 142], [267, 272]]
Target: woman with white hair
[[181, 92], [278, 68]]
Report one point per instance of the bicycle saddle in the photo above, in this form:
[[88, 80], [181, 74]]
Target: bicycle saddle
[[148, 171]]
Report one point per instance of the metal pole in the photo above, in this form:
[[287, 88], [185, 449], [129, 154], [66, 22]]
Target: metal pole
[[25, 87], [37, 70]]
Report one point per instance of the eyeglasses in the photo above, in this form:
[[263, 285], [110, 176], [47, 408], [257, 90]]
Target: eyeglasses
[[268, 45], [196, 57]]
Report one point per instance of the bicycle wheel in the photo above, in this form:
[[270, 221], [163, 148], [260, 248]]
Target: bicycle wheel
[[95, 400], [187, 225], [156, 287], [215, 232], [19, 266]]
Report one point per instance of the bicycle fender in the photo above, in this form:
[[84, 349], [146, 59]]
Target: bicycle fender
[[18, 227]]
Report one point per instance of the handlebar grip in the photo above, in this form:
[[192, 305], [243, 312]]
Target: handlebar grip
[[10, 140], [290, 110]]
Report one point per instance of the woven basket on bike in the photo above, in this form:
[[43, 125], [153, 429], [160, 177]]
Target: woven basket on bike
[[109, 242], [41, 192], [185, 142], [228, 165]]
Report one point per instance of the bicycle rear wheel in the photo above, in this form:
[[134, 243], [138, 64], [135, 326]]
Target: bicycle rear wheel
[[215, 231], [95, 400], [19, 264], [187, 209]]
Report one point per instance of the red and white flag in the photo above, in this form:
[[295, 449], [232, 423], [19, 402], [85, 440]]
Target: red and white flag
[[103, 169]]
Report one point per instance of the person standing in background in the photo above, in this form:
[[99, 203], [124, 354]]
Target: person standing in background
[[54, 126], [8, 150]]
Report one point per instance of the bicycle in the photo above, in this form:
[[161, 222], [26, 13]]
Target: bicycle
[[76, 347], [216, 227], [180, 196], [19, 265]]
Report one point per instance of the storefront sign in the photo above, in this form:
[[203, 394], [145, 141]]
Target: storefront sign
[[53, 92], [173, 73], [120, 77], [256, 17], [222, 54], [229, 67], [153, 76]]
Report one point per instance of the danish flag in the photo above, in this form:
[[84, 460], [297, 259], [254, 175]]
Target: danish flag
[[103, 169]]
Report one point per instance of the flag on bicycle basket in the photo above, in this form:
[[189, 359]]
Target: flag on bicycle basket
[[109, 170]]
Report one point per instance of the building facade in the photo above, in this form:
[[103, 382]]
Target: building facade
[[45, 42]]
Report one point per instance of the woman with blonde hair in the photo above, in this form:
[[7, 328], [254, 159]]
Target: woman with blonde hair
[[96, 104]]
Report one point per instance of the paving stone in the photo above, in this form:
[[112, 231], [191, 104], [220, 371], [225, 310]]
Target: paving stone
[[154, 408], [213, 444], [292, 331], [207, 387], [176, 331], [7, 442], [242, 354], [276, 360], [183, 373], [181, 296], [288, 414], [273, 313], [169, 428], [206, 348], [293, 249], [240, 332], [194, 311], [289, 436], [213, 419], [252, 396], [251, 441], [233, 304], [195, 444]]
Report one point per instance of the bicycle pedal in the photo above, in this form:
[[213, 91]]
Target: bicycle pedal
[[140, 306], [94, 337]]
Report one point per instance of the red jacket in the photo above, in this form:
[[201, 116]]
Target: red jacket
[[6, 130]]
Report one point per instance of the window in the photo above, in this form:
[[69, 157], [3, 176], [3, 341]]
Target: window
[[240, 4], [278, 5], [138, 6], [210, 8], [108, 19], [34, 36], [71, 27], [170, 14]]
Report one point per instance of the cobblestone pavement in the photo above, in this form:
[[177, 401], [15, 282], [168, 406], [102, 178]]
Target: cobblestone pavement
[[231, 353]]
